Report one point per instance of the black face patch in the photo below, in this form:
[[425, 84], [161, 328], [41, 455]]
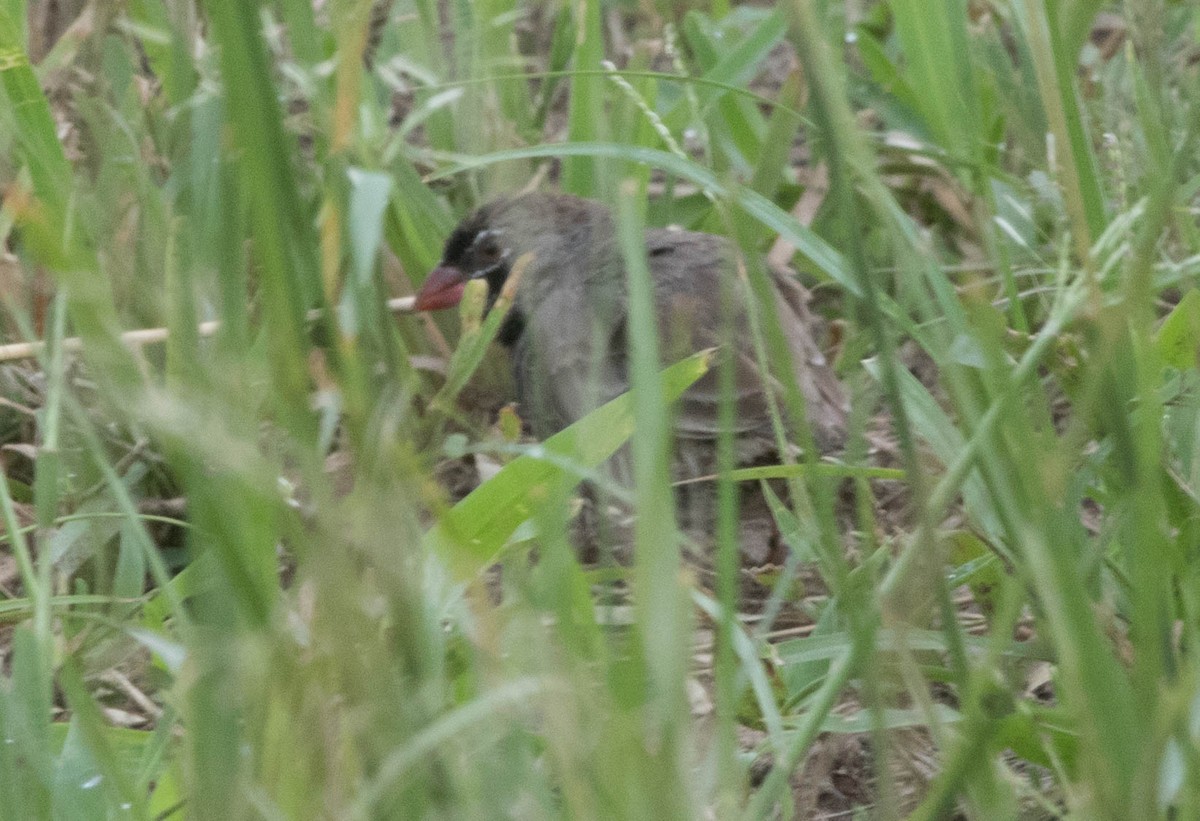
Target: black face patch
[[487, 253], [461, 240], [479, 251]]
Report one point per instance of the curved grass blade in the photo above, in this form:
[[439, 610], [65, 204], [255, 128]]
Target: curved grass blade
[[472, 532]]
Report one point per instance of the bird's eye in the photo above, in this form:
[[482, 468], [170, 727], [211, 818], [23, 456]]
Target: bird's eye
[[487, 253]]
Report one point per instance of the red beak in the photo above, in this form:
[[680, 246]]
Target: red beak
[[443, 288]]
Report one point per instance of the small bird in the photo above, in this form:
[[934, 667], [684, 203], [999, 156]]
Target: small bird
[[566, 331]]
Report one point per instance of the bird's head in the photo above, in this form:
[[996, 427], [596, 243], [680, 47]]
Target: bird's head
[[571, 239], [476, 250]]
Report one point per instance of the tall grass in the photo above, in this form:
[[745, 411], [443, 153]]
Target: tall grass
[[1008, 245]]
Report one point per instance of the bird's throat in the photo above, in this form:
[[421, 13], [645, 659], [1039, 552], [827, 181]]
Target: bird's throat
[[512, 328]]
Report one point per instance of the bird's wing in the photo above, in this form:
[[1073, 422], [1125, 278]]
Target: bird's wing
[[688, 269], [574, 354]]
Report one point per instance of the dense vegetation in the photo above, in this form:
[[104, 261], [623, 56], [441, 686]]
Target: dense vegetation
[[235, 582]]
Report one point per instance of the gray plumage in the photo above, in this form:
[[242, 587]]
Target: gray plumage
[[567, 330]]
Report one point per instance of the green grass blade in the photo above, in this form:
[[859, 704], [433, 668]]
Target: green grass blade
[[471, 534]]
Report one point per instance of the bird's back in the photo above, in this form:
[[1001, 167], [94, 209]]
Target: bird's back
[[574, 298]]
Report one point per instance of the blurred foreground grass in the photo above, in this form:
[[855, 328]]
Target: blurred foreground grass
[[998, 203]]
